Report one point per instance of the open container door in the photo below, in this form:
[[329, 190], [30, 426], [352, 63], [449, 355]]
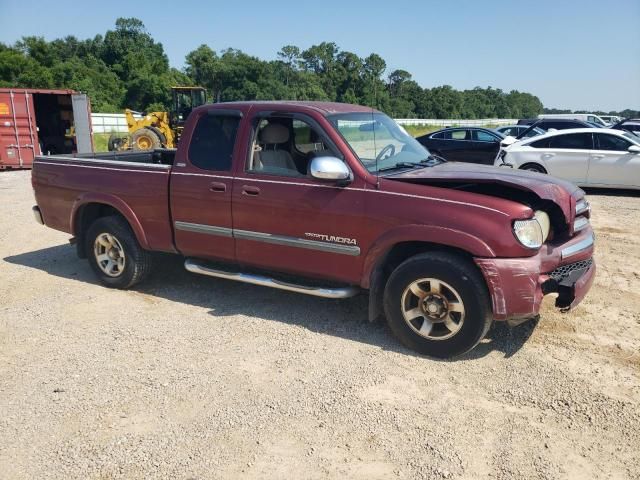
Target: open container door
[[18, 133], [82, 122]]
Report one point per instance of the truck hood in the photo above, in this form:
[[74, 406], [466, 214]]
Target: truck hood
[[466, 176]]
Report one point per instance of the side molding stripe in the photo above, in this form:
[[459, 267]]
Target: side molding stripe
[[269, 238], [208, 229]]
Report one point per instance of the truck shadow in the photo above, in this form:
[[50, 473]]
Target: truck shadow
[[341, 318]]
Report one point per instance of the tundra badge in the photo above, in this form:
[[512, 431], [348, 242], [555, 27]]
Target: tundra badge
[[332, 238]]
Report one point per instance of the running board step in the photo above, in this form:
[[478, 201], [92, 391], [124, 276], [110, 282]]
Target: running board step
[[324, 292]]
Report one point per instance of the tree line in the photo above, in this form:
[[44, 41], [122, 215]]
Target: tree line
[[127, 68]]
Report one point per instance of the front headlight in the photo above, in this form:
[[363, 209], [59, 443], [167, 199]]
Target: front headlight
[[528, 233], [545, 223], [534, 232]]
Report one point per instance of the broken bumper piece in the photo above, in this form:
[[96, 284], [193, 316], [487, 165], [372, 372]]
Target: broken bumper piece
[[517, 285]]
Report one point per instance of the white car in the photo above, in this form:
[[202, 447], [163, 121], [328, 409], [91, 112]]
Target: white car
[[589, 157], [585, 117]]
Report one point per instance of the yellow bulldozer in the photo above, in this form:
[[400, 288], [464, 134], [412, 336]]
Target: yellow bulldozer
[[148, 131]]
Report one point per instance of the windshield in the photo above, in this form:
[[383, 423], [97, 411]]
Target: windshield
[[378, 141], [534, 132], [633, 137]]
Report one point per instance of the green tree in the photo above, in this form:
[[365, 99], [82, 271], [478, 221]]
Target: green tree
[[202, 66]]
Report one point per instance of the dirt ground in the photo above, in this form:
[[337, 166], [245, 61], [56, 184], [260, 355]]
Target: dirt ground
[[195, 378]]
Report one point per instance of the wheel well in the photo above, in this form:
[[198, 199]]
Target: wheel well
[[390, 261], [533, 164], [85, 216]]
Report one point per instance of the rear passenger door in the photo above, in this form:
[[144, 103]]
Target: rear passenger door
[[456, 145], [201, 183], [612, 164]]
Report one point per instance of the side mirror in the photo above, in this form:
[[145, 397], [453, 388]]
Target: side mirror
[[634, 149], [330, 169]]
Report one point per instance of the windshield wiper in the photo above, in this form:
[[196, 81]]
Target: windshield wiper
[[399, 165], [433, 159]]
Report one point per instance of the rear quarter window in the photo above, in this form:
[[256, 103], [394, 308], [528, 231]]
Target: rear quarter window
[[212, 142], [578, 141], [543, 143]]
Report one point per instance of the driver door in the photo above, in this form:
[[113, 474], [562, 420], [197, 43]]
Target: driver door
[[611, 163], [485, 147], [283, 219]]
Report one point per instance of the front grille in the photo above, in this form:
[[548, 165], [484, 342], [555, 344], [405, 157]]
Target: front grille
[[565, 270]]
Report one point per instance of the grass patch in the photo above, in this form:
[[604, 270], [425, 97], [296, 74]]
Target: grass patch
[[419, 130], [101, 142]]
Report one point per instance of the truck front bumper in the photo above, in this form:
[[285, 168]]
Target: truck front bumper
[[517, 285]]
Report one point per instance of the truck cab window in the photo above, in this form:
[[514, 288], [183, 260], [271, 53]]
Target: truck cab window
[[212, 143], [285, 147]]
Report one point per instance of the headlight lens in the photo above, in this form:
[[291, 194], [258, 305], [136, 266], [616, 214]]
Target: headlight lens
[[534, 232], [528, 232], [545, 223]]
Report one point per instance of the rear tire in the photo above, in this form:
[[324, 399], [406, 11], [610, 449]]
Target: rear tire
[[437, 304], [114, 253], [145, 139]]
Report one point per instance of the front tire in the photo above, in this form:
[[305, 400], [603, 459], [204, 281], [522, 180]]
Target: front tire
[[533, 167], [437, 304], [114, 253]]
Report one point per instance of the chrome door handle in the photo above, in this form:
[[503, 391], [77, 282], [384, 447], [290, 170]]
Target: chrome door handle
[[548, 155], [597, 157], [218, 187]]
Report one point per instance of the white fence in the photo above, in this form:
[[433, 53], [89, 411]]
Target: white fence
[[116, 122], [479, 122], [110, 122]]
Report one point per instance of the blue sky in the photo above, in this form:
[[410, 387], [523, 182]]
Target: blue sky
[[581, 54]]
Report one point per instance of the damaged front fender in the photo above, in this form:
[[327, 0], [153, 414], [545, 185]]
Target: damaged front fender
[[515, 286]]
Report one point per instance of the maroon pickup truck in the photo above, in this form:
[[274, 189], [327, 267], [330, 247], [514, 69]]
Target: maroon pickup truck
[[330, 199]]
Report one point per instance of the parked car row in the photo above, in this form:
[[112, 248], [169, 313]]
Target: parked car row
[[591, 118], [629, 125], [591, 157], [557, 123], [481, 145], [572, 149]]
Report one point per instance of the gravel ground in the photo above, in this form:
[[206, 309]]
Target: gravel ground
[[194, 378]]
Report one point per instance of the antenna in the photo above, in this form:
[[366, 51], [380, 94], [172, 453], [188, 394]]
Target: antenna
[[373, 129]]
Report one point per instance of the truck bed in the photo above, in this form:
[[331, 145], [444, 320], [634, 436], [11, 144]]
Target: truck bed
[[160, 156], [135, 183]]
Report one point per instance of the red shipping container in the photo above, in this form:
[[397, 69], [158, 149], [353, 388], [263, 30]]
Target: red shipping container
[[40, 122]]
